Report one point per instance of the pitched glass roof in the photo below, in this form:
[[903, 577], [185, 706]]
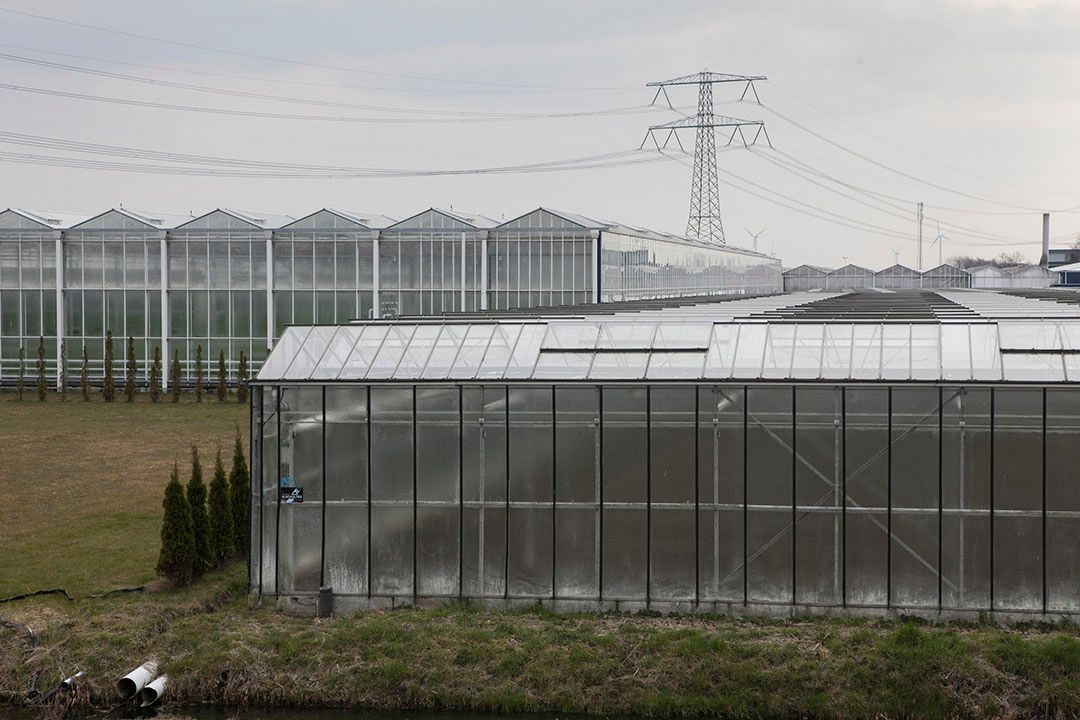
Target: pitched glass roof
[[1004, 338]]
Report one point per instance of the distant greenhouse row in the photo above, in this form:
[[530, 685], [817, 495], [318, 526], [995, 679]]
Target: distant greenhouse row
[[901, 277], [230, 281]]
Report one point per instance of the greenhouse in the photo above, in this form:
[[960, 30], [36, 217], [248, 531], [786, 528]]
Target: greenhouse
[[910, 451], [229, 281]]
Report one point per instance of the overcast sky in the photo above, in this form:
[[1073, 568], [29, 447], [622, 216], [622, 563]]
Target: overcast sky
[[979, 97]]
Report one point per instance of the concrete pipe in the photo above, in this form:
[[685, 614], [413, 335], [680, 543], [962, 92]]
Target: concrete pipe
[[152, 693], [131, 684]]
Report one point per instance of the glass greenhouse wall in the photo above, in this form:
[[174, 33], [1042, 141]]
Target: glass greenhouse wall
[[712, 456], [673, 496], [231, 281]]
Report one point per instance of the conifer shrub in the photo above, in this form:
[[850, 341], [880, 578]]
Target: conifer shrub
[[84, 376], [42, 387], [62, 368], [240, 496], [174, 377], [222, 378], [200, 521], [20, 383], [176, 560], [198, 373], [221, 518], [129, 371], [242, 378], [155, 376], [108, 388]]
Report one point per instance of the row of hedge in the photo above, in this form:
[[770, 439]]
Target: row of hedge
[[152, 384]]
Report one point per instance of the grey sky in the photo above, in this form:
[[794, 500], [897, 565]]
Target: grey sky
[[990, 88]]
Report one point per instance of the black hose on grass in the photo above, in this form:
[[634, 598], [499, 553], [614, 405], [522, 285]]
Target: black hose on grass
[[50, 591]]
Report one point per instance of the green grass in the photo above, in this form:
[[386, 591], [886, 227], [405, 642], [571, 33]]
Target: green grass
[[463, 658], [82, 484]]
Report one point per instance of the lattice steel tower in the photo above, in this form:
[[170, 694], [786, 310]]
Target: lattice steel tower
[[705, 223]]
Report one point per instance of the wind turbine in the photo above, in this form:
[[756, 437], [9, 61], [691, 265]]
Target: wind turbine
[[896, 255], [755, 235], [940, 244]]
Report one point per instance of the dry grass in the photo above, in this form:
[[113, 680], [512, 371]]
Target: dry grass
[[217, 649], [81, 484]]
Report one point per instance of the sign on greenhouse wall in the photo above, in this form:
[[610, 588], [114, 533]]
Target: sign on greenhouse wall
[[292, 495]]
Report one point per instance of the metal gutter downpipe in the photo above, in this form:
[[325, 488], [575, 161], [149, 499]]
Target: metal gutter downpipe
[[132, 684]]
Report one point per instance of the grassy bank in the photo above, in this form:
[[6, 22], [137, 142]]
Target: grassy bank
[[82, 485], [217, 649]]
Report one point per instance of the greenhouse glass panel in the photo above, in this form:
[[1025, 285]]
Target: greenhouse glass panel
[[624, 464], [818, 522], [770, 494], [866, 444], [1062, 500], [577, 493], [721, 481], [672, 488]]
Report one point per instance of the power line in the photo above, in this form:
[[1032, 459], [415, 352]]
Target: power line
[[264, 114], [636, 109], [794, 166], [901, 173], [892, 144], [289, 61]]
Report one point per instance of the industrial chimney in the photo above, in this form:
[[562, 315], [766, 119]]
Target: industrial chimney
[[1045, 259]]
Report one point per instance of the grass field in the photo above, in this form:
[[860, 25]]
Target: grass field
[[82, 483]]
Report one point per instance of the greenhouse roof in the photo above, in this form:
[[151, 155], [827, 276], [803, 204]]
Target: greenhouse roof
[[922, 336]]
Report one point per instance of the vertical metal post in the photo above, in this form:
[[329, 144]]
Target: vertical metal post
[[322, 521], [600, 491], [794, 493], [843, 496], [554, 486], [745, 500], [262, 484], [163, 250], [648, 495], [484, 272], [58, 249], [993, 423], [1044, 585], [277, 491], [415, 513], [463, 270], [888, 496], [367, 420], [375, 274], [595, 266], [506, 499], [461, 489], [270, 320], [940, 495], [697, 495]]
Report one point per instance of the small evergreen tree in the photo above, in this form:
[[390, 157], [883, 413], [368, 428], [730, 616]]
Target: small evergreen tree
[[130, 370], [84, 376], [20, 384], [198, 373], [222, 377], [200, 523], [174, 377], [62, 368], [108, 388], [155, 376], [239, 491], [242, 379], [177, 557], [221, 517], [41, 386]]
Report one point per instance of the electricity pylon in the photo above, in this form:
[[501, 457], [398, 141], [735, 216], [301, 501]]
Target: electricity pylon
[[704, 222]]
